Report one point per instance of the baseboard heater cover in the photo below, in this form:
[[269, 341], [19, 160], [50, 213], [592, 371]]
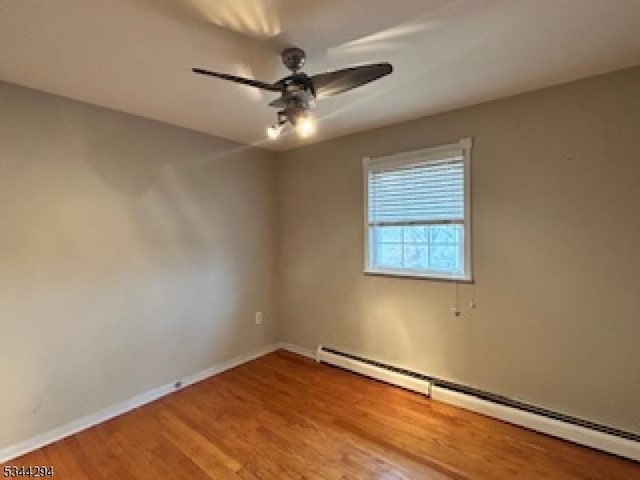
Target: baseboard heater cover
[[580, 431], [373, 369]]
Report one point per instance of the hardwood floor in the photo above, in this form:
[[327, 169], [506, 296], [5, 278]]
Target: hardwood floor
[[286, 417]]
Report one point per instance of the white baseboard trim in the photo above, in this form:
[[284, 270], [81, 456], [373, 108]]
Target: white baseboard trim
[[75, 426], [556, 428], [305, 352]]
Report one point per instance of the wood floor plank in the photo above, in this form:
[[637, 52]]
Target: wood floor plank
[[284, 417], [203, 452]]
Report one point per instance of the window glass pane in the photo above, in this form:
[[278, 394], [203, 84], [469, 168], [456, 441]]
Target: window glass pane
[[416, 257], [444, 259], [389, 234], [445, 234], [389, 255], [416, 234], [434, 248]]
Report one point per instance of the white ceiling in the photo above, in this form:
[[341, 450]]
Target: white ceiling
[[136, 55]]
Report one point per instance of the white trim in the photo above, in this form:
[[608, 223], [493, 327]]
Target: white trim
[[75, 426], [365, 214], [466, 144], [390, 272], [424, 154], [404, 381], [556, 428], [461, 147]]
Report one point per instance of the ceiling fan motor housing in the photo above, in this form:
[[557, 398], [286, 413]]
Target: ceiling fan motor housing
[[293, 58]]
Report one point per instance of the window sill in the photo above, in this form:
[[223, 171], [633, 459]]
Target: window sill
[[417, 276]]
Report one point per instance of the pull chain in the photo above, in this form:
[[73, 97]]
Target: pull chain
[[473, 303], [456, 308]]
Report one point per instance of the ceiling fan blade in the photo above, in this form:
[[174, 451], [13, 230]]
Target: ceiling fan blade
[[332, 83], [241, 80]]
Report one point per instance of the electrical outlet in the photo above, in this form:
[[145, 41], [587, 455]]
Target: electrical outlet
[[258, 318]]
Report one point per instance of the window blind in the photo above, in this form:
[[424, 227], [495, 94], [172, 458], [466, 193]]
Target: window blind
[[422, 192]]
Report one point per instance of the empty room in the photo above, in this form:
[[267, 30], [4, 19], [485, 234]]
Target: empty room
[[337, 239]]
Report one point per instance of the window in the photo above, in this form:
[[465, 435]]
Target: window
[[417, 209]]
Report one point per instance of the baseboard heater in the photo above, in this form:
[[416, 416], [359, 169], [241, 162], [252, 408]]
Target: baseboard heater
[[577, 430], [377, 370]]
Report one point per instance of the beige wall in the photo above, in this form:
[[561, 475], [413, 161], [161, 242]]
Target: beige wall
[[131, 253], [556, 214]]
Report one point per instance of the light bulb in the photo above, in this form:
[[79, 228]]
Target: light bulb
[[306, 125], [273, 132]]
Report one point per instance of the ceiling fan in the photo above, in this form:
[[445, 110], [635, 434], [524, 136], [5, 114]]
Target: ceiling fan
[[299, 91]]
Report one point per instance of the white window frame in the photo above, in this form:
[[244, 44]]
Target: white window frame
[[404, 158]]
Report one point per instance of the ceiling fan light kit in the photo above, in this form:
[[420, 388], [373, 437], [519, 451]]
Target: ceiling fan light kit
[[306, 125], [273, 131], [298, 91]]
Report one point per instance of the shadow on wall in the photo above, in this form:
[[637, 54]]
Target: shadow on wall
[[188, 195], [129, 152], [173, 177]]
